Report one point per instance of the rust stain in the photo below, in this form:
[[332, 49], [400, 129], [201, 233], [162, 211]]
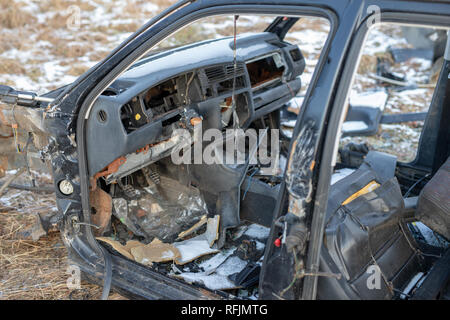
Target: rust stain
[[3, 165], [144, 149], [294, 146], [208, 294], [313, 164], [101, 202], [111, 168], [196, 121], [295, 207], [141, 213]]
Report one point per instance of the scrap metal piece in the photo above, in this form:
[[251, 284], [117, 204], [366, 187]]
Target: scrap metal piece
[[178, 252], [101, 204], [45, 222]]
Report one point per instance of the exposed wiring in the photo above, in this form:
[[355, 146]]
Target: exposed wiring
[[233, 98], [414, 185], [187, 88], [249, 182], [300, 273], [293, 96]]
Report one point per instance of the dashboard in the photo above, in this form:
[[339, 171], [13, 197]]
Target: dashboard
[[167, 90]]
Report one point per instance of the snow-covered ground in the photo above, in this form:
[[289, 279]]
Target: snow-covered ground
[[50, 43]]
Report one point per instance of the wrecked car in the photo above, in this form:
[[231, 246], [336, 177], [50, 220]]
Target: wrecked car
[[141, 214]]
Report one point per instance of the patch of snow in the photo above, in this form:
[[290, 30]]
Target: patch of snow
[[341, 174], [350, 126], [257, 231], [219, 280], [167, 254], [260, 245], [192, 249], [375, 99], [216, 260], [231, 266], [428, 234], [212, 282], [289, 124]]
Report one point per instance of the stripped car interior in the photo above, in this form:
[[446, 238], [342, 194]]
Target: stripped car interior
[[160, 230]]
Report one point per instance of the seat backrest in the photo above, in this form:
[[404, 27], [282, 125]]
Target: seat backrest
[[433, 207], [364, 227]]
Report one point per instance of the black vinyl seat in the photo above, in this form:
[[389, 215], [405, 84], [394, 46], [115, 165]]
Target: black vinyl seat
[[433, 207], [365, 231]]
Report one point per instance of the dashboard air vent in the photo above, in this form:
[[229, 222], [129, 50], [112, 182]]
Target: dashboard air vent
[[221, 73]]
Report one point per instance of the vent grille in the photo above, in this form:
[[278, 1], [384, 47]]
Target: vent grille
[[215, 73], [221, 73], [230, 69]]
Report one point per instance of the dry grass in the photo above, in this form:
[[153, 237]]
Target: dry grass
[[72, 50], [34, 270], [163, 4], [368, 63], [58, 21], [77, 70], [132, 9], [11, 66], [311, 23], [13, 40], [12, 16], [62, 5], [189, 34], [124, 27], [34, 72], [98, 55], [257, 27]]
